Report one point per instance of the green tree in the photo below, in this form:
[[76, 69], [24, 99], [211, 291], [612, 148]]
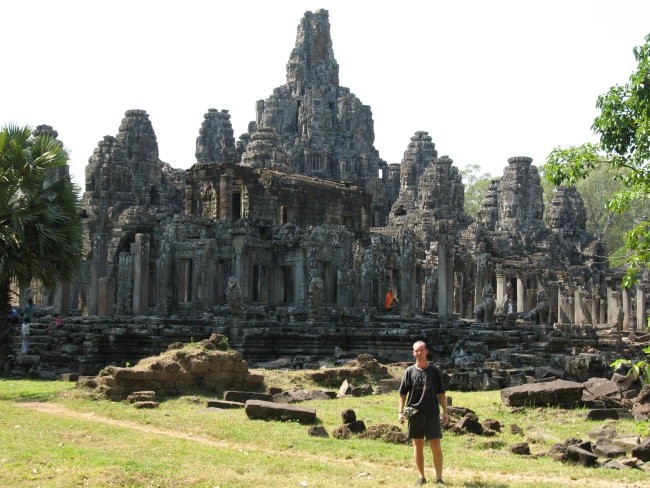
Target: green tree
[[476, 184], [623, 129], [40, 225]]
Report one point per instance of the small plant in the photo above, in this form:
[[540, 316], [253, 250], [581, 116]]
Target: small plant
[[639, 369]]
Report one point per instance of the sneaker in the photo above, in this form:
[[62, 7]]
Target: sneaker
[[421, 481], [440, 482]]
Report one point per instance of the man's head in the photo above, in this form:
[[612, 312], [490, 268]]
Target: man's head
[[420, 351]]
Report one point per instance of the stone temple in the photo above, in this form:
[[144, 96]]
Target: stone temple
[[288, 238]]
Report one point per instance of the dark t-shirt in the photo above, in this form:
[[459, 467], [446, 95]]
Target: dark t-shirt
[[422, 387]]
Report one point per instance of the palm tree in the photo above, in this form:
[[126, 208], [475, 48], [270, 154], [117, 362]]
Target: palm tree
[[40, 225]]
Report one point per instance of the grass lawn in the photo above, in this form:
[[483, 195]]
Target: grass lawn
[[53, 435]]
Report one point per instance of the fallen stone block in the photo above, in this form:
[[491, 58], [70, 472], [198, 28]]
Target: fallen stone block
[[581, 456], [141, 396], [642, 451], [558, 392], [357, 426], [243, 396], [147, 404], [261, 410], [224, 404], [602, 414]]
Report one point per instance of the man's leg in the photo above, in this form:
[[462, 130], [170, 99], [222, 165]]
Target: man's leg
[[436, 450], [418, 455]]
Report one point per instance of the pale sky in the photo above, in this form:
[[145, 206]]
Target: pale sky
[[487, 79]]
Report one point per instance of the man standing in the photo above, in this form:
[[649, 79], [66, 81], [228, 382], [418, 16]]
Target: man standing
[[422, 389], [25, 333], [28, 313]]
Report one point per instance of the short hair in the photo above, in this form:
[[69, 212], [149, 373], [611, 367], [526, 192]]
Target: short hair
[[416, 343]]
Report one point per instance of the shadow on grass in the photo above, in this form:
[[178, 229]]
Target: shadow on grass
[[35, 390]]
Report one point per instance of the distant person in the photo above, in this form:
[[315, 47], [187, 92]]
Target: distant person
[[14, 316], [388, 301], [423, 391], [56, 322], [28, 312], [25, 332]]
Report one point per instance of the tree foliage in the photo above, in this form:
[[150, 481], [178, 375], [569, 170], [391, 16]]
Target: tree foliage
[[476, 185], [623, 130], [40, 227]]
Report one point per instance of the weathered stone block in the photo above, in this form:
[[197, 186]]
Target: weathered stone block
[[559, 392], [258, 409], [243, 396]]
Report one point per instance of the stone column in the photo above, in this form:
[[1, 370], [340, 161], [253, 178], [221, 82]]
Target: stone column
[[188, 200], [641, 323], [141, 274], [124, 287], [578, 317], [595, 305], [627, 308], [225, 197], [501, 284], [521, 291], [552, 302], [582, 301], [445, 282], [602, 316], [483, 276], [613, 304], [106, 297], [62, 299], [238, 240], [562, 317], [97, 270]]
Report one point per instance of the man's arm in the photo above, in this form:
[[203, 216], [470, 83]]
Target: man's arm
[[442, 400], [400, 408]]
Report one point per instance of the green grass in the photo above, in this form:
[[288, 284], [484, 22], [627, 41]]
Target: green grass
[[81, 441]]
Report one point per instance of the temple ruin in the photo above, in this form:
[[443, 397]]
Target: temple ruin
[[288, 238]]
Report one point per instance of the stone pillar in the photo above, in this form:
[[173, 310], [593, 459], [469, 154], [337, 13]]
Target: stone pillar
[[238, 240], [188, 200], [583, 307], [501, 284], [611, 305], [483, 276], [641, 323], [124, 287], [613, 298], [521, 291], [578, 317], [141, 274], [552, 302], [595, 305], [62, 299], [106, 296], [225, 197], [445, 282], [97, 270], [602, 316], [627, 308]]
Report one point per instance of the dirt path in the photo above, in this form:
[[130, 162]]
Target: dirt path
[[55, 409]]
